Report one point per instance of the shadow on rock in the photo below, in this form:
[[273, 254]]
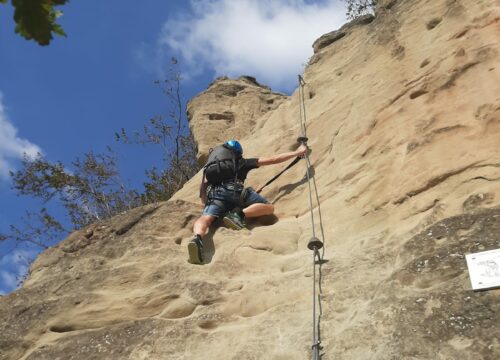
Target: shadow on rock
[[287, 189], [265, 220]]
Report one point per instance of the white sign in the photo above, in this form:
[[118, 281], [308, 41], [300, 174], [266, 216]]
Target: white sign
[[484, 269]]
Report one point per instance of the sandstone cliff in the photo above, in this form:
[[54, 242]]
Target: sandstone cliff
[[403, 117]]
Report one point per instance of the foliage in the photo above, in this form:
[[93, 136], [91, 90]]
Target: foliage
[[24, 262], [176, 142], [36, 19], [91, 190], [356, 8], [39, 229], [164, 183]]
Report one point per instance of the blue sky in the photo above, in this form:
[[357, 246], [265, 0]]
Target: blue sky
[[72, 96]]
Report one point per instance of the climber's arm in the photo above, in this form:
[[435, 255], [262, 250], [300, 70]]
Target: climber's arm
[[276, 159]]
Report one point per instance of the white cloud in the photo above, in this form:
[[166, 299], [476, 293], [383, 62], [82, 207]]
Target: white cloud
[[13, 267], [8, 279], [270, 40], [12, 147]]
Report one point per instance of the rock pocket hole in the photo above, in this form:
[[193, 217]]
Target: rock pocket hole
[[208, 325], [425, 63], [261, 248], [461, 33], [178, 240], [433, 23], [311, 94], [208, 302], [235, 288], [460, 52], [62, 328], [228, 116], [418, 93], [390, 4]]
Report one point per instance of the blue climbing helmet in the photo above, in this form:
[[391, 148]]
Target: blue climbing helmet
[[235, 145]]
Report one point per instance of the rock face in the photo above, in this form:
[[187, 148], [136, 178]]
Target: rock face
[[228, 109], [403, 117], [329, 38]]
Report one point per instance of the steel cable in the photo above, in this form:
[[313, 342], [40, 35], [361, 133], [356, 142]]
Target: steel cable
[[314, 243]]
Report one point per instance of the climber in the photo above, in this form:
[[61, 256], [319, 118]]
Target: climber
[[222, 192]]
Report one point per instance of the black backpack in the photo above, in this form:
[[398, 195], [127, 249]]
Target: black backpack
[[222, 165]]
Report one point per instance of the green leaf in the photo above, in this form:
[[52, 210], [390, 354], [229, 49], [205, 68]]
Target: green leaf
[[36, 19], [59, 30]]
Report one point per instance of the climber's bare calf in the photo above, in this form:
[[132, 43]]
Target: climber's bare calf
[[202, 224], [258, 209]]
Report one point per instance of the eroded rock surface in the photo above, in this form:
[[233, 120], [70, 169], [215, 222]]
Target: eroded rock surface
[[229, 109], [403, 117]]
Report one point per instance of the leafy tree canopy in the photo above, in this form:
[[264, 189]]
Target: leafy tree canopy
[[36, 19]]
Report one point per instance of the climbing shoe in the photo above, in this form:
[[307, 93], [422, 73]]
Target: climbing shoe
[[234, 220], [195, 250]]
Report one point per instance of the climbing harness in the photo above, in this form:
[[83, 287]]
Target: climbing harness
[[314, 243]]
